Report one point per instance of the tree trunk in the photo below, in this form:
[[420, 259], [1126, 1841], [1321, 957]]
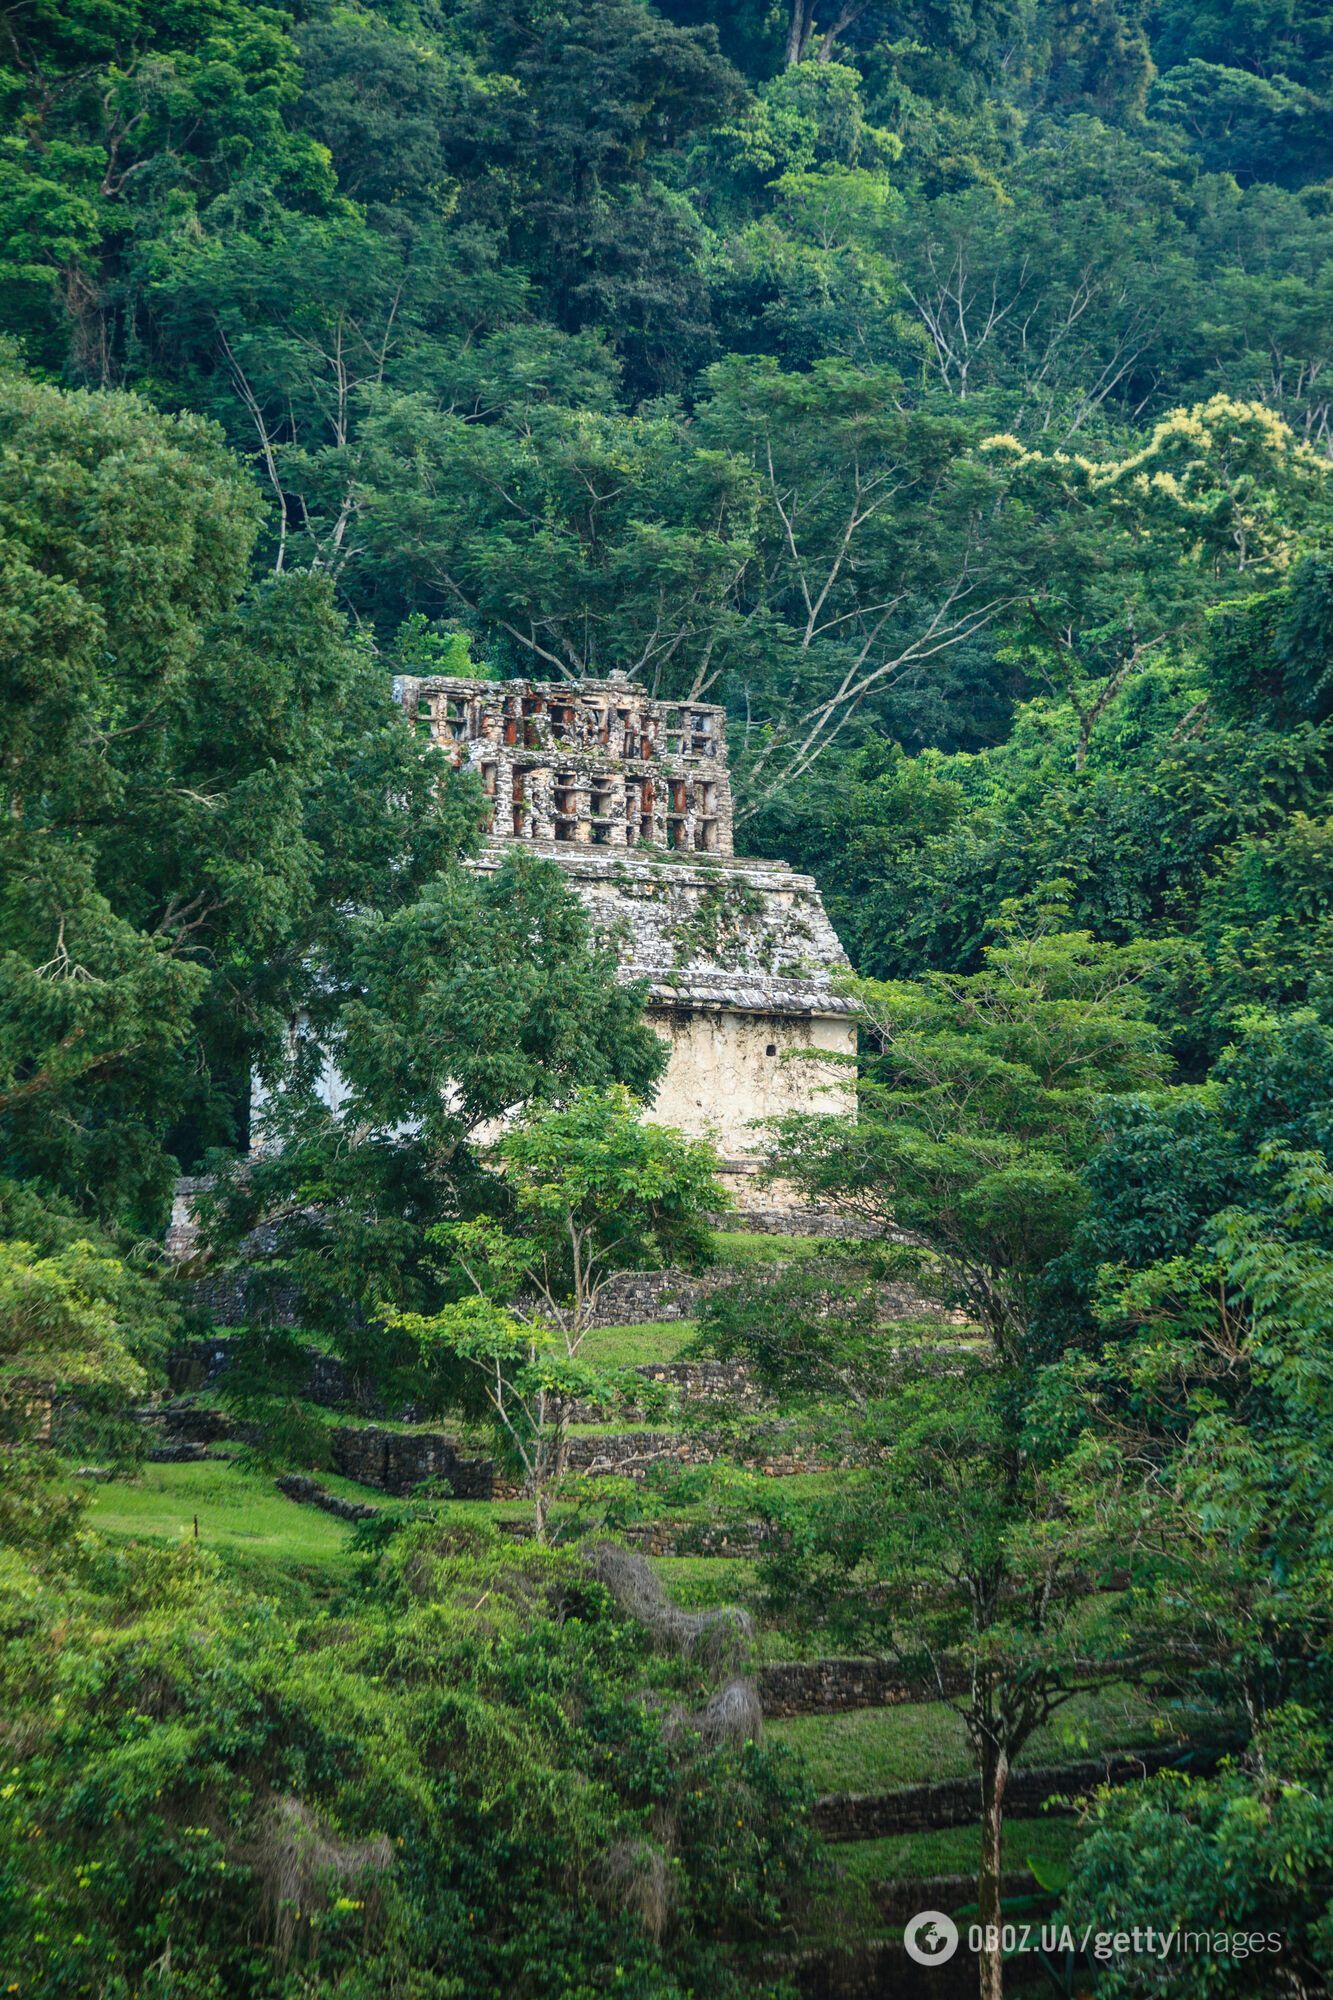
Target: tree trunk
[[994, 1777], [799, 25], [850, 12]]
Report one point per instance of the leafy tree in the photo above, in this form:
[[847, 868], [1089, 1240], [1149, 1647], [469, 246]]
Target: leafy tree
[[981, 1100], [1244, 1857], [642, 539], [275, 1796], [485, 995], [200, 781], [593, 1190], [1097, 55], [63, 1333], [1047, 291], [972, 1558], [1215, 1382], [813, 1329], [1197, 814], [1226, 482]]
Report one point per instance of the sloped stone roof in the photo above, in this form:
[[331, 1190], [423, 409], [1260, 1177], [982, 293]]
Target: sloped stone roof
[[744, 935]]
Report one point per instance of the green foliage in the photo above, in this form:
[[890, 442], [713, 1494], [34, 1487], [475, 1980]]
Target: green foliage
[[1198, 813], [592, 1190], [1213, 1302], [57, 1325], [446, 281], [944, 390], [1169, 1165], [485, 993], [199, 780], [79, 1333], [313, 1802], [982, 1099], [596, 1190], [979, 1562], [812, 1328], [1244, 1856]]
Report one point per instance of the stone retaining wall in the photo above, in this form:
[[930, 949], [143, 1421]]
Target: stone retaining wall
[[237, 1297], [898, 1902], [632, 1453], [197, 1364], [742, 1539], [957, 1802], [729, 1382], [632, 1297], [797, 1220], [396, 1461], [309, 1493], [833, 1686], [705, 1381], [181, 1420]]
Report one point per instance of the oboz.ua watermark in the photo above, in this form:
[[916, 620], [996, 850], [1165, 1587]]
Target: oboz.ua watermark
[[932, 1938]]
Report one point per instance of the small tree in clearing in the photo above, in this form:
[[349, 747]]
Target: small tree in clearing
[[981, 1566], [591, 1190]]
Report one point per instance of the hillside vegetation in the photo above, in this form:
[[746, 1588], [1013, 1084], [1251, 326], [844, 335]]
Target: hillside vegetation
[[944, 392]]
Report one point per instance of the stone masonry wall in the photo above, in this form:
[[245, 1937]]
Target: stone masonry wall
[[727, 1382], [631, 1297], [758, 1218], [197, 1364], [396, 1461], [956, 1801], [832, 1686]]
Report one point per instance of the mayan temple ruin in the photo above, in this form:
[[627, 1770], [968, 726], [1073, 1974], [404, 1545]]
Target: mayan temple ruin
[[632, 797]]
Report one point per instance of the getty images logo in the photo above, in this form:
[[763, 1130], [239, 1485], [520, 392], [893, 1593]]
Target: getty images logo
[[931, 1938]]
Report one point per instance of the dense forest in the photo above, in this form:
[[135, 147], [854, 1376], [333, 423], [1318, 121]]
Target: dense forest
[[943, 389]]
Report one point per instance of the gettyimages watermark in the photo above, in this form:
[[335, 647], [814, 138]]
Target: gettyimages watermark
[[932, 1938]]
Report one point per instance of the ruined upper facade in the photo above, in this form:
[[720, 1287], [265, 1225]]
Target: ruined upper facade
[[597, 766], [632, 798]]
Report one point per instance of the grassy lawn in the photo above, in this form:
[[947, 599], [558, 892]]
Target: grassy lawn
[[244, 1518], [877, 1749], [739, 1246], [881, 1749], [240, 1515], [627, 1346], [699, 1582]]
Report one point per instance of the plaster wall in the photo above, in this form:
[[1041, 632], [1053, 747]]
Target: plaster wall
[[728, 1069]]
